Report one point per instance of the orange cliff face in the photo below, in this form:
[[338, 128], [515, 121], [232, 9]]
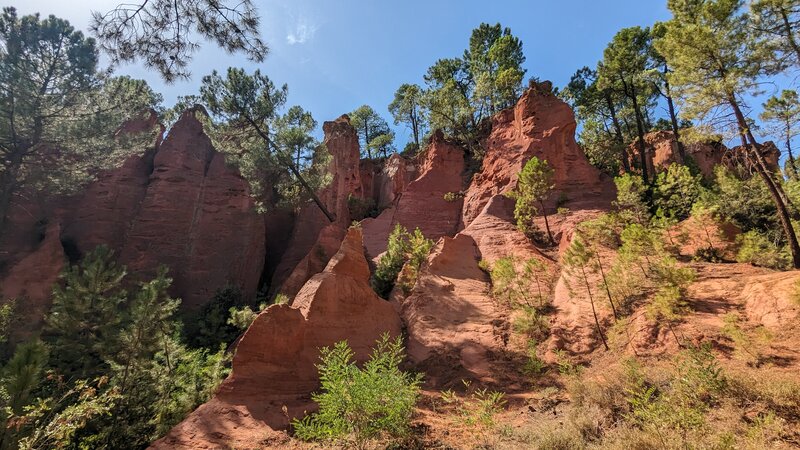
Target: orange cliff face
[[176, 203], [274, 368], [540, 125]]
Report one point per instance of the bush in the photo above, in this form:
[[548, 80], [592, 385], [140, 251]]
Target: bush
[[632, 199], [360, 404], [361, 208], [755, 248], [675, 192], [400, 263], [210, 326]]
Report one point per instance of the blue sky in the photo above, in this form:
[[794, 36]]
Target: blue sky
[[338, 55]]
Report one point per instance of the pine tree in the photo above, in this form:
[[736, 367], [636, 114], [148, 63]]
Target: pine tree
[[716, 61], [534, 185], [60, 113], [407, 108], [244, 116], [782, 116], [576, 260], [85, 318]]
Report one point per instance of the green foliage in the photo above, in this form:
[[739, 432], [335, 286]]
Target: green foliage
[[632, 199], [164, 35], [245, 123], [129, 339], [478, 409], [55, 423], [745, 202], [61, 114], [83, 324], [757, 249], [534, 185], [407, 108], [242, 318], [463, 92], [520, 283], [210, 326], [453, 196], [6, 319], [400, 264], [356, 404], [781, 115], [23, 373], [748, 344], [675, 191], [361, 208], [712, 56], [374, 134]]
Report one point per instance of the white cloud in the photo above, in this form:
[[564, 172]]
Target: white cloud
[[303, 32]]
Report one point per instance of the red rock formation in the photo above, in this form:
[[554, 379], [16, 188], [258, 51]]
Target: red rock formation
[[455, 329], [539, 125], [30, 282], [274, 365], [422, 204], [341, 141], [385, 181], [496, 235], [662, 150], [197, 218]]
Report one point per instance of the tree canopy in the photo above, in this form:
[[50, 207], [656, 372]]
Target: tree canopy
[[61, 115], [163, 34]]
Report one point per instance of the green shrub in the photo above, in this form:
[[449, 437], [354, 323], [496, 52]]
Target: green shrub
[[535, 184], [675, 191], [360, 404], [361, 208], [210, 326], [520, 283], [755, 248], [403, 247], [478, 409], [453, 196], [632, 199], [242, 318]]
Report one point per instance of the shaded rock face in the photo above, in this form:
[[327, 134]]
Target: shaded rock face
[[31, 280], [198, 218], [386, 181], [274, 365], [341, 141], [662, 150], [455, 329], [177, 204], [422, 204], [539, 125]]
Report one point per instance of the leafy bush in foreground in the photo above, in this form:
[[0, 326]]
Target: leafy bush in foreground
[[360, 404]]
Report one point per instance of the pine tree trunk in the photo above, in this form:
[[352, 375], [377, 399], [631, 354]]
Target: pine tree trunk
[[618, 132], [594, 311], [673, 118], [640, 132], [760, 166], [547, 224]]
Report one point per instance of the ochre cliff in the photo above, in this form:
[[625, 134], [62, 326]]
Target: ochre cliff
[[274, 368]]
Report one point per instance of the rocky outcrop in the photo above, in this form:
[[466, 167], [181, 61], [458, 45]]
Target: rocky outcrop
[[197, 218], [422, 204], [274, 369], [662, 150], [539, 125], [455, 329], [341, 142], [385, 181], [29, 283], [497, 237]]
